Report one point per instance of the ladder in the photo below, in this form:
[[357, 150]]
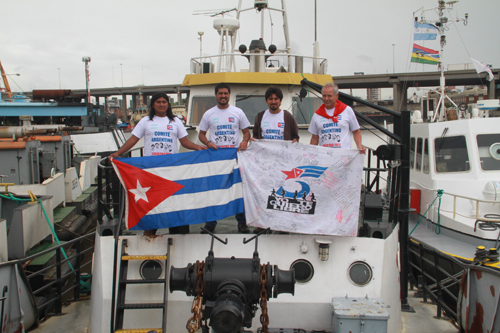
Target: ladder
[[121, 306]]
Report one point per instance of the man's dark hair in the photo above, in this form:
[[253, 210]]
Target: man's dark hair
[[222, 85], [274, 90]]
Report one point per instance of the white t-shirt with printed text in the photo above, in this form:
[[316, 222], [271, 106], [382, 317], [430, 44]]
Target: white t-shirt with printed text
[[273, 125], [160, 135], [334, 134], [224, 125]]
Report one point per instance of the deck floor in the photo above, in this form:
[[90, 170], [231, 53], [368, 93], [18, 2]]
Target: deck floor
[[76, 319]]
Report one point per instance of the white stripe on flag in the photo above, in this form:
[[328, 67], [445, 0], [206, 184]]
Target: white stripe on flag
[[198, 200], [190, 171]]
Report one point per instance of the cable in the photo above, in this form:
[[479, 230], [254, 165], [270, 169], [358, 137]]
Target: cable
[[438, 225]]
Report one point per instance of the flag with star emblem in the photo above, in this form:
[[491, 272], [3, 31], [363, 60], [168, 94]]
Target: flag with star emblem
[[301, 188], [180, 189]]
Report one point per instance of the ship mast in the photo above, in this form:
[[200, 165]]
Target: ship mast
[[442, 25]]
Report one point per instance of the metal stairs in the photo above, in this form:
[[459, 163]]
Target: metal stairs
[[123, 282]]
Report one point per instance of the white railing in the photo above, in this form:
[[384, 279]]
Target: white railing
[[197, 62], [477, 202]]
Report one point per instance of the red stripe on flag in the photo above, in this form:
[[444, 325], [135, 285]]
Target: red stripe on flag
[[141, 186], [416, 46]]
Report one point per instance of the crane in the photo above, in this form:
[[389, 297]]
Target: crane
[[5, 81]]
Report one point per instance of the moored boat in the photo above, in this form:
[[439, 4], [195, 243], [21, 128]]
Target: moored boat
[[310, 282]]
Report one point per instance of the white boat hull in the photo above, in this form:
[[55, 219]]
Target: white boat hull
[[311, 306]]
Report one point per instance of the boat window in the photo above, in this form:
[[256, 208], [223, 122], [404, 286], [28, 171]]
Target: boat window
[[251, 105], [200, 106], [303, 110], [412, 153], [489, 151], [451, 154], [418, 160], [426, 157]]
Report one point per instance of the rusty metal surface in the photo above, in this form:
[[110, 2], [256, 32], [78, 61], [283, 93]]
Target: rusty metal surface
[[12, 144], [480, 302], [54, 94]]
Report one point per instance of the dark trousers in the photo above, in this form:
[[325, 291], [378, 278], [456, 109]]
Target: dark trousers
[[240, 217]]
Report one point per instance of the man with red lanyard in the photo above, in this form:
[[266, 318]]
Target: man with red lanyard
[[332, 124]]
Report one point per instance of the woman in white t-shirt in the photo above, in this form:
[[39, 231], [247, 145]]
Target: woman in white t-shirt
[[161, 130]]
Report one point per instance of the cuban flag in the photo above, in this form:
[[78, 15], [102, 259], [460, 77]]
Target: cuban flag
[[281, 125], [180, 189], [231, 119], [169, 127]]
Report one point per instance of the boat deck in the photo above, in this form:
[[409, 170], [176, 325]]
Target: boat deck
[[76, 319], [226, 226], [447, 241]]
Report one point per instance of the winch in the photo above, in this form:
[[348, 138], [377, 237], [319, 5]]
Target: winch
[[230, 289]]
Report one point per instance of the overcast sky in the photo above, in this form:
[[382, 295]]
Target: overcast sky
[[155, 39]]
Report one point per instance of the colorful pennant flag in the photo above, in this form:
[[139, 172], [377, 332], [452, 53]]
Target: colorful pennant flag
[[425, 31], [180, 189], [424, 55]]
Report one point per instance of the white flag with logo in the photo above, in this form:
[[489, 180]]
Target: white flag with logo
[[480, 67], [301, 188]]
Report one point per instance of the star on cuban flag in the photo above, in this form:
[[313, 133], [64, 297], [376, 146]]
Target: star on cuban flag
[[140, 192], [180, 189], [304, 171]]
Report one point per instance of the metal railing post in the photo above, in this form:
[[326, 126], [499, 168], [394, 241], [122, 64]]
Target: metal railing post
[[439, 293], [77, 271], [58, 308]]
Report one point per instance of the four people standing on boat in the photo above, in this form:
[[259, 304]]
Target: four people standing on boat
[[332, 124], [225, 122], [160, 130]]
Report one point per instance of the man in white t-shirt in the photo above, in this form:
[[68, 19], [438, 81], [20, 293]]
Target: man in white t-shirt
[[275, 123], [332, 124], [225, 122]]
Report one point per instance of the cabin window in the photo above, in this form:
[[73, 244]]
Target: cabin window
[[412, 153], [426, 157], [451, 154], [199, 106], [489, 151], [251, 105], [418, 160], [303, 110]]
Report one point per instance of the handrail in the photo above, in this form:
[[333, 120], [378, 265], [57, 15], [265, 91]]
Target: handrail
[[439, 277], [54, 303], [23, 260], [199, 60], [478, 201], [258, 54]]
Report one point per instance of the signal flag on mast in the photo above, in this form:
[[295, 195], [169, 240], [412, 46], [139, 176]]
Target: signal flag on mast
[[425, 31], [424, 55]]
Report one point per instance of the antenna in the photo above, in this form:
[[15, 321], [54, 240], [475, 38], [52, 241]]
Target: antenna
[[86, 60], [441, 25]]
